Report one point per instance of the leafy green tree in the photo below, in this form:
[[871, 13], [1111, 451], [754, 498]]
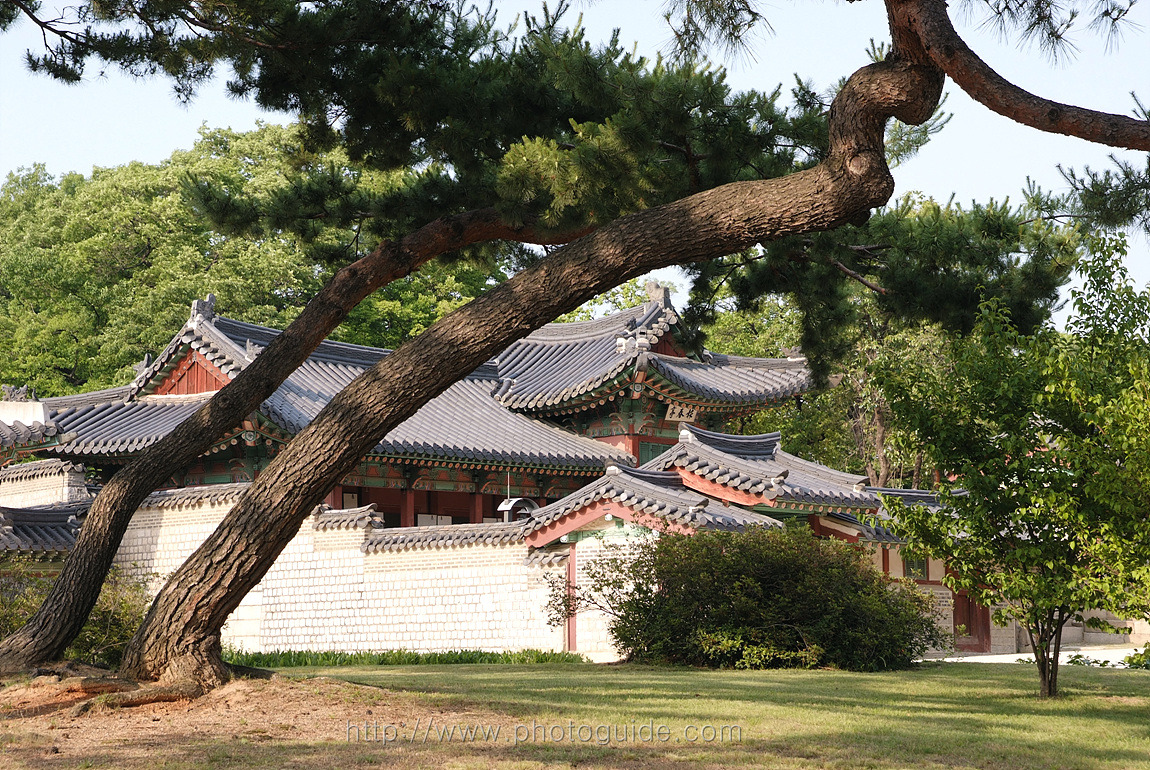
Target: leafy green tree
[[1043, 439], [542, 140], [848, 425], [97, 271]]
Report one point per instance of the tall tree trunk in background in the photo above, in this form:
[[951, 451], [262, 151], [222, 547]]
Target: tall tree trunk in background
[[59, 619], [180, 636]]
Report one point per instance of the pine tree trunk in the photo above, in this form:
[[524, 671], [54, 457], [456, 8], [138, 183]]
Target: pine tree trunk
[[182, 628], [61, 616]]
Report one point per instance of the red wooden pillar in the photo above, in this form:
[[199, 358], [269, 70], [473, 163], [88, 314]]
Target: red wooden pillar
[[335, 496], [407, 514], [886, 561], [633, 446], [476, 508]]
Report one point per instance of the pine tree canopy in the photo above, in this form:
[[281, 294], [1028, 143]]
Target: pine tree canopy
[[440, 110]]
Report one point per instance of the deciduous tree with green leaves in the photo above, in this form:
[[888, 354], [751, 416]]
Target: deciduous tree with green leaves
[[96, 271], [1044, 441]]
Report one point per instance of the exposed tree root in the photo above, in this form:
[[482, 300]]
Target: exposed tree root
[[93, 685], [141, 696]]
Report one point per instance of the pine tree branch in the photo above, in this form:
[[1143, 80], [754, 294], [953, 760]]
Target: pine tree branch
[[941, 45], [47, 26], [862, 279]]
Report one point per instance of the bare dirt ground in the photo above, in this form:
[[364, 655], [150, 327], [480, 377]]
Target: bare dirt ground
[[275, 722]]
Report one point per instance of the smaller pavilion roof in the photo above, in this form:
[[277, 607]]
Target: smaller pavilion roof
[[758, 465], [656, 493], [565, 367]]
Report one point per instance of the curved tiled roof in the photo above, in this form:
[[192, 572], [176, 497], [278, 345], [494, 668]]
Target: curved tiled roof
[[39, 469], [732, 379], [560, 365], [463, 424], [757, 465], [402, 538], [38, 530], [562, 361], [120, 428], [17, 434], [651, 492]]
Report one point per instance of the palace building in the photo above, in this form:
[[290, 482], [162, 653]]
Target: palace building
[[445, 535]]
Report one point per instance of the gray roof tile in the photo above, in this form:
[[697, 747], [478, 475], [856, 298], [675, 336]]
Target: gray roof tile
[[46, 530], [39, 469], [561, 362]]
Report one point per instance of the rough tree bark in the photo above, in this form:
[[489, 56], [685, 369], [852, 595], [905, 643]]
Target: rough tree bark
[[180, 636], [58, 620]]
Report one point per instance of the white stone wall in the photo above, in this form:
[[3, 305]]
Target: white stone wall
[[65, 486], [324, 593], [592, 637]]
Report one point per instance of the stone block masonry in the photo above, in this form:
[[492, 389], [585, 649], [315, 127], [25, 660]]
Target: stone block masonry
[[325, 593]]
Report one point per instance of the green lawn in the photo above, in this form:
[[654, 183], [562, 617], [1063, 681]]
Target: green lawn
[[940, 715]]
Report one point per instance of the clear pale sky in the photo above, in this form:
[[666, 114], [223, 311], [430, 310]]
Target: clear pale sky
[[111, 119]]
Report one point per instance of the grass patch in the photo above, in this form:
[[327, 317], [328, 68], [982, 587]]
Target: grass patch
[[940, 715], [296, 658]]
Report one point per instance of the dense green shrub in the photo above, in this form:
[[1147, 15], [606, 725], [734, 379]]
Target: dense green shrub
[[289, 658], [116, 616], [765, 598]]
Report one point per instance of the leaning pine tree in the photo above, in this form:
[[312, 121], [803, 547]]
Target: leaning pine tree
[[589, 148]]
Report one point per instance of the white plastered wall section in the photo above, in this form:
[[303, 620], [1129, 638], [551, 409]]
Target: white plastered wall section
[[65, 486], [592, 635], [324, 593]]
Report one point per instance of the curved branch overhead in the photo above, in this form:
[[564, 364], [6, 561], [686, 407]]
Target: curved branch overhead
[[941, 44], [200, 595]]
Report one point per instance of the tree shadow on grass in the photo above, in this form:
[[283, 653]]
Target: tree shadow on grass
[[975, 715]]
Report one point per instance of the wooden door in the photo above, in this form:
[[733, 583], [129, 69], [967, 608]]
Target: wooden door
[[971, 625]]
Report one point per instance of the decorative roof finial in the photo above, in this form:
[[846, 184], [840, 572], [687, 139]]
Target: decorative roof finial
[[22, 393], [658, 293], [204, 309], [142, 366]]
